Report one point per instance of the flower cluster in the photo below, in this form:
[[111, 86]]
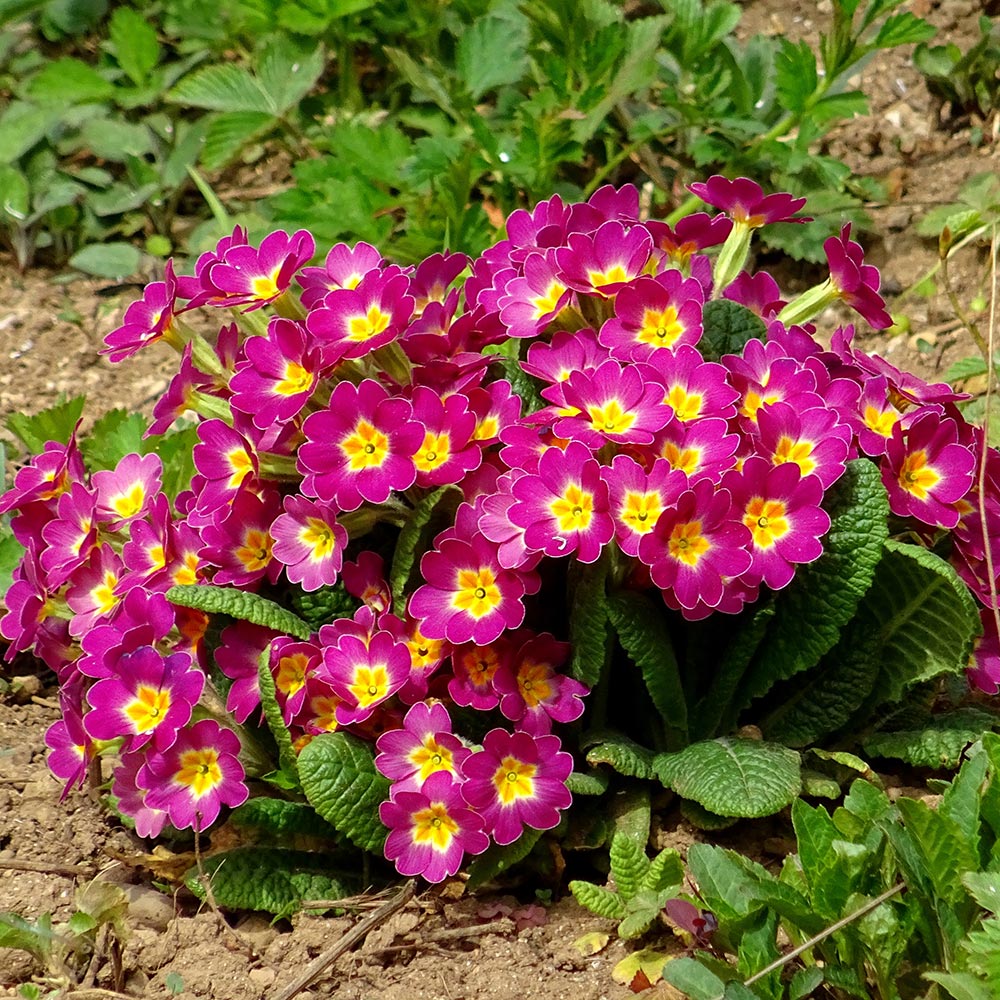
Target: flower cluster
[[555, 396]]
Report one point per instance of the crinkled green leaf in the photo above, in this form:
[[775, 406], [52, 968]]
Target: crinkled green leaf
[[622, 754], [982, 950], [588, 619], [733, 776], [641, 910], [810, 613], [603, 902], [500, 858], [287, 761], [985, 889], [795, 75], [629, 864], [412, 542], [666, 871], [642, 631], [692, 978], [938, 744], [727, 326], [338, 777], [239, 604], [287, 72], [224, 87], [962, 985], [588, 782], [281, 818], [269, 879]]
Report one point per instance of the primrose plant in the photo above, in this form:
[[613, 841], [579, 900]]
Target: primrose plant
[[427, 500]]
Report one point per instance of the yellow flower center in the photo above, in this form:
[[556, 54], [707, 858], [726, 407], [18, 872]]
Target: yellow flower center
[[366, 448], [431, 757], [433, 453], [435, 826], [291, 675], [476, 593], [766, 520], [573, 510], [296, 380], [255, 552], [129, 503], [660, 328], [361, 328], [513, 779], [916, 476], [687, 544], [200, 770], [610, 418], [640, 511], [799, 452], [686, 406], [149, 707], [371, 685]]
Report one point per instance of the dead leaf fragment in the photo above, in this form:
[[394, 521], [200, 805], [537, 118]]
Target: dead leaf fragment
[[592, 943]]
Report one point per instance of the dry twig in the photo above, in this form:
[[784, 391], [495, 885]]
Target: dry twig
[[48, 868]]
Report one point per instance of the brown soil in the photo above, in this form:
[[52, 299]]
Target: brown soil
[[51, 328]]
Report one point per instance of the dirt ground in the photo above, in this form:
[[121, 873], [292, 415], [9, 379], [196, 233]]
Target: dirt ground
[[51, 327]]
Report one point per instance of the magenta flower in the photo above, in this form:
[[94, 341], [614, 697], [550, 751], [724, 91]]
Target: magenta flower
[[926, 470], [693, 387], [424, 746], [151, 698], [70, 747], [532, 691], [309, 542], [277, 375], [127, 491], [146, 321], [653, 313], [344, 267], [474, 666], [467, 595], [758, 292], [352, 322], [365, 579], [877, 417], [564, 506], [93, 593], [781, 508], [517, 780], [745, 201], [447, 452], [984, 663], [613, 403], [691, 234], [426, 658], [696, 546], [556, 360], [431, 830], [253, 277], [364, 675], [701, 449], [132, 799], [637, 498], [239, 543], [812, 439], [360, 448], [196, 777], [226, 459], [240, 648], [529, 303], [143, 618], [292, 664], [605, 260], [854, 281], [70, 536]]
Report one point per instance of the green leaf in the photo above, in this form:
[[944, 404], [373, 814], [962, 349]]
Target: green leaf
[[492, 52], [622, 754], [727, 326], [116, 434], [962, 985], [600, 901], [23, 125], [588, 783], [133, 40], [804, 983], [287, 73], [269, 879], [15, 195], [239, 604], [176, 451], [727, 882], [339, 779], [629, 864], [228, 133], [642, 631], [938, 744], [902, 29], [11, 552], [116, 261], [56, 423], [225, 87], [829, 879], [969, 368], [287, 761], [67, 82], [665, 873], [733, 776], [944, 849], [693, 979], [983, 950], [281, 820], [114, 139], [823, 597], [641, 910], [414, 539], [985, 889], [588, 619], [500, 858], [795, 76]]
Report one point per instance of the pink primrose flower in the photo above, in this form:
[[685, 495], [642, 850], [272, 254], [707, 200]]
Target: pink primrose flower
[[758, 292], [146, 321], [745, 202], [45, 477], [431, 280], [554, 361], [926, 470], [132, 799], [309, 542], [94, 592], [531, 301], [854, 281], [431, 830], [467, 595], [360, 448], [517, 780], [197, 287], [344, 267], [447, 453], [143, 618], [198, 775], [564, 506], [70, 748], [126, 492], [240, 648], [70, 537], [653, 313], [605, 260], [353, 322], [696, 545], [277, 375], [182, 393], [256, 276], [29, 604], [702, 449], [227, 460], [148, 699], [638, 498], [532, 691], [474, 667], [365, 579], [615, 404], [424, 746], [693, 387], [495, 407], [292, 664], [781, 508], [690, 235], [813, 439], [984, 663], [427, 656], [364, 674], [239, 543]]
